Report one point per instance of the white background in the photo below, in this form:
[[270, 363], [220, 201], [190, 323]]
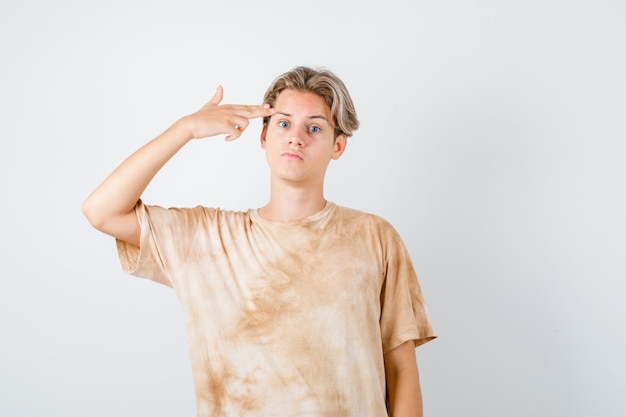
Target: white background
[[492, 138]]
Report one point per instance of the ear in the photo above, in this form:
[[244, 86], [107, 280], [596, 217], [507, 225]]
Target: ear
[[263, 133], [340, 146]]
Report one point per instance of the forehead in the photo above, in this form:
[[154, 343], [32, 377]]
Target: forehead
[[301, 103]]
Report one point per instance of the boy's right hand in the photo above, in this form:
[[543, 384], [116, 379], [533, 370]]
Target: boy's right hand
[[231, 119]]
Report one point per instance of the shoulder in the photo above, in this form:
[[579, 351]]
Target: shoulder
[[197, 214], [363, 219], [348, 213]]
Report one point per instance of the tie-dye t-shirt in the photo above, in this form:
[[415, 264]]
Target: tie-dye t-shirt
[[284, 319]]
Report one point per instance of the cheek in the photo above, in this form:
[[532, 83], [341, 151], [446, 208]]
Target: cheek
[[272, 143], [275, 137]]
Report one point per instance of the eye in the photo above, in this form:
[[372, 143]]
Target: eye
[[314, 129], [283, 123]]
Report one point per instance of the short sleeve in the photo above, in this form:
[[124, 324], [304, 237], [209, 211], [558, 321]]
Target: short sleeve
[[162, 242], [404, 315]]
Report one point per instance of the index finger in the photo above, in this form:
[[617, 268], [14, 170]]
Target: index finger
[[254, 111]]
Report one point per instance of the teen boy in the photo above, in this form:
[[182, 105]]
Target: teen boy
[[298, 308]]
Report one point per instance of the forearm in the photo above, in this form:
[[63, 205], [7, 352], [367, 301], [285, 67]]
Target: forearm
[[405, 396], [118, 194], [403, 386]]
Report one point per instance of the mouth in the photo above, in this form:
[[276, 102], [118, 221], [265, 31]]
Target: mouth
[[293, 155]]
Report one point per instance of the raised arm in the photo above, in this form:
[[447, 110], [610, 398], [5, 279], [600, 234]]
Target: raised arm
[[110, 207]]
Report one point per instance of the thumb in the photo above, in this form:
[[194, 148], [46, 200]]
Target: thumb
[[217, 97]]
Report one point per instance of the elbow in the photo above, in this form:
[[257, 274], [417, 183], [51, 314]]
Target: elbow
[[90, 213]]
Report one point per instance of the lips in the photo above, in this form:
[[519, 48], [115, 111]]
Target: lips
[[293, 155]]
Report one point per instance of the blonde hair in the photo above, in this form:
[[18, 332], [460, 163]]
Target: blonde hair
[[326, 85]]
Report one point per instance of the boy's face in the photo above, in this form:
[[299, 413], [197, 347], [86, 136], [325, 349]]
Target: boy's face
[[299, 139]]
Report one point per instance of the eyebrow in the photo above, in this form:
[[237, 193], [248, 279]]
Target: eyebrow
[[315, 116]]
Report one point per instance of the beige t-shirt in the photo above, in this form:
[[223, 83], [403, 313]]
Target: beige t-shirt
[[284, 319]]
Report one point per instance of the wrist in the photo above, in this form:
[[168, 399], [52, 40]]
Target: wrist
[[184, 129]]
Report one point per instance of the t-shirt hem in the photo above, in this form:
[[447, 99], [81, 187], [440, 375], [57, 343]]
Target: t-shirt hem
[[417, 341]]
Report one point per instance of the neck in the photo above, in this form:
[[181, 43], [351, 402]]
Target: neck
[[289, 203]]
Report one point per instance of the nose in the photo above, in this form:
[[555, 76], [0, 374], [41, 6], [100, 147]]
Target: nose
[[296, 139]]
